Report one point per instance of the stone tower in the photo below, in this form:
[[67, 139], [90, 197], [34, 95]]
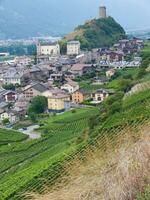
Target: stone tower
[[102, 12]]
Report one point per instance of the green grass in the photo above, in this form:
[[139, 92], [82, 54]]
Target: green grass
[[114, 84], [138, 98], [9, 136], [22, 124], [88, 87], [23, 163], [146, 48]]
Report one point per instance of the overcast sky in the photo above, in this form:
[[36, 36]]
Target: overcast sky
[[130, 13]]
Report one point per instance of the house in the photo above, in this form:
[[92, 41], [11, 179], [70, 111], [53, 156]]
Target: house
[[42, 58], [57, 77], [21, 104], [13, 77], [81, 69], [52, 91], [73, 48], [100, 81], [70, 86], [23, 60], [100, 95], [112, 56], [3, 106], [51, 49], [10, 96], [11, 115], [79, 96], [33, 90], [69, 75], [110, 73], [58, 103]]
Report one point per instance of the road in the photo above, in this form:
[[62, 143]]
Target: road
[[31, 132]]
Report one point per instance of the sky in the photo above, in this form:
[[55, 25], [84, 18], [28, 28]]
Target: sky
[[62, 16], [131, 14]]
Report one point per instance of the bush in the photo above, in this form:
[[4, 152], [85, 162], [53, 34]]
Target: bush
[[74, 111], [38, 105], [5, 121], [8, 87]]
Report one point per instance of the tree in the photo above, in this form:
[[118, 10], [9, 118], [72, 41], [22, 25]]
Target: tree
[[35, 58], [115, 107], [33, 117], [8, 87], [38, 105], [125, 84], [141, 73], [63, 46], [5, 121]]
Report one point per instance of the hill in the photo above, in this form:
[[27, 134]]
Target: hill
[[42, 17], [97, 33], [107, 165], [73, 139]]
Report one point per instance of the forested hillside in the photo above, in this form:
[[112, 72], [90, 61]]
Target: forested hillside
[[97, 33]]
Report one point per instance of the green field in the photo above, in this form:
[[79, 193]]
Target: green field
[[23, 161], [9, 137], [113, 84]]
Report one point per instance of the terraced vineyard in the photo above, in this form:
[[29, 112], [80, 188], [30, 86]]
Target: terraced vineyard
[[24, 161]]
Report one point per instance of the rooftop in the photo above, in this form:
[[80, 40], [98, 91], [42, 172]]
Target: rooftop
[[48, 44], [78, 67], [37, 86], [59, 96], [73, 42]]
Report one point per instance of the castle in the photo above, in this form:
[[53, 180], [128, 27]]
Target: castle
[[102, 12]]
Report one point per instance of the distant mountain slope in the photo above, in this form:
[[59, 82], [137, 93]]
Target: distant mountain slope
[[27, 18], [97, 33]]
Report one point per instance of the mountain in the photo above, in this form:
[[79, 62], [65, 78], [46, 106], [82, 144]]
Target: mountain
[[27, 18], [97, 33]]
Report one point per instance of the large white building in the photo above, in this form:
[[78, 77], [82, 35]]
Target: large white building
[[73, 48], [51, 49]]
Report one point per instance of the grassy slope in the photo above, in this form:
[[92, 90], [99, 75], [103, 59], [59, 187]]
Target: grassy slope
[[97, 33], [118, 162], [21, 162], [135, 109], [25, 161], [87, 85], [7, 136], [112, 171]]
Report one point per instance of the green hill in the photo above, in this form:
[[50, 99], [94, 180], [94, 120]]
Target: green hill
[[97, 33]]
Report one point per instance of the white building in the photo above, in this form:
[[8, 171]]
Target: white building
[[73, 48], [70, 86], [23, 60], [51, 49], [13, 77]]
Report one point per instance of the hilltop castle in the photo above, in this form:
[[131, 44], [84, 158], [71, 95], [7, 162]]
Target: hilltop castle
[[102, 12]]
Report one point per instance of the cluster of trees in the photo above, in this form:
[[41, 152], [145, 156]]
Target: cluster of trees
[[9, 87], [86, 76], [37, 106], [97, 33], [100, 33], [145, 63], [19, 49]]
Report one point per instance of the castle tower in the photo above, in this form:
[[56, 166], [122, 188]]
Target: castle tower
[[102, 12]]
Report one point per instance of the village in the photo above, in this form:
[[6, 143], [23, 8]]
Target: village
[[57, 77]]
